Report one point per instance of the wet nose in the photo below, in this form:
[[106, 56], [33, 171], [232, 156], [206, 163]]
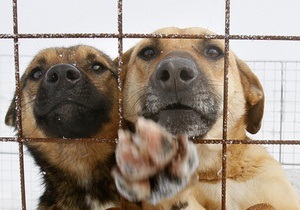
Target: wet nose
[[62, 75], [176, 73]]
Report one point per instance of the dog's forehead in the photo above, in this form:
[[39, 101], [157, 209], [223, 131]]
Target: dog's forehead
[[66, 55], [180, 43], [177, 44], [191, 30], [75, 55], [56, 55]]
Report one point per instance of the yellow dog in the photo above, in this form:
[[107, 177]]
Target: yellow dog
[[178, 83]]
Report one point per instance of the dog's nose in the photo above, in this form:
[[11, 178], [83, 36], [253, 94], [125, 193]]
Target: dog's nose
[[62, 75], [176, 73]]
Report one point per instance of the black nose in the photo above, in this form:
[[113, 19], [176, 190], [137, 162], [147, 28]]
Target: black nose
[[62, 75], [176, 73]]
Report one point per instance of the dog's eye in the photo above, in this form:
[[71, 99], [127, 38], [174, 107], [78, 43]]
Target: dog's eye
[[147, 53], [213, 52], [36, 73], [99, 67]]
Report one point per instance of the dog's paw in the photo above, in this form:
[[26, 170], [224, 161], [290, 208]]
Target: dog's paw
[[152, 164]]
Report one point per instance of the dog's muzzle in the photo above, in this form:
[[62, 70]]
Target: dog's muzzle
[[179, 96], [68, 104]]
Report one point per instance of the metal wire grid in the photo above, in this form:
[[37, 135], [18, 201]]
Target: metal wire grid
[[120, 36], [277, 124], [282, 108]]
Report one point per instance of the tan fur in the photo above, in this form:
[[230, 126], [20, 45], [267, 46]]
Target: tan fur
[[253, 176], [86, 154], [78, 161]]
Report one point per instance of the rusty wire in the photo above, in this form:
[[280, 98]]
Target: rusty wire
[[138, 35], [225, 103], [120, 36], [18, 104], [194, 139]]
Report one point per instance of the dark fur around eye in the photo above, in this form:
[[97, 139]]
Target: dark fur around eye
[[36, 73], [99, 67], [213, 52], [147, 53]]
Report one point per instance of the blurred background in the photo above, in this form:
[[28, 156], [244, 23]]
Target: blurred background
[[276, 63]]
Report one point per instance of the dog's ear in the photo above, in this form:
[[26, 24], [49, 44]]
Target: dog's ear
[[125, 58], [254, 95], [11, 114]]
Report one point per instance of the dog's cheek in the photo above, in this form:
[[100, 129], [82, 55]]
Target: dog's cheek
[[263, 206], [214, 147]]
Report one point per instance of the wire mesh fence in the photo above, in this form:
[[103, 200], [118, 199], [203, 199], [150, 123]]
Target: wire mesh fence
[[279, 132]]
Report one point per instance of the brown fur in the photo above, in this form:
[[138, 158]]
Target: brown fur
[[76, 175], [253, 176], [262, 206]]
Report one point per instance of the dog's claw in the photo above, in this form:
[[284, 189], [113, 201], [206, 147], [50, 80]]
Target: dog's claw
[[151, 164]]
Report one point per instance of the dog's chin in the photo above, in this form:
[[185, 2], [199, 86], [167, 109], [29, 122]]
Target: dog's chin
[[72, 120], [179, 121]]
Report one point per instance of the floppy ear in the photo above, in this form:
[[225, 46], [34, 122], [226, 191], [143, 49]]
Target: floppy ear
[[125, 59], [254, 95], [11, 114]]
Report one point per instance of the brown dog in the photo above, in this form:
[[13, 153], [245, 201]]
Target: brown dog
[[178, 83], [71, 93]]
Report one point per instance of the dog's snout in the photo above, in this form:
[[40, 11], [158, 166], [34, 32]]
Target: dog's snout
[[176, 73], [62, 74]]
